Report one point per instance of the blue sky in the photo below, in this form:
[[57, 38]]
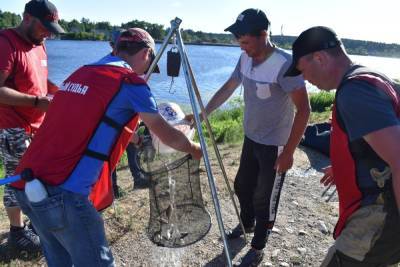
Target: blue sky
[[355, 19]]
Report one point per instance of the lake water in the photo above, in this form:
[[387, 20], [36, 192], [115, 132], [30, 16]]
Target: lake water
[[212, 66]]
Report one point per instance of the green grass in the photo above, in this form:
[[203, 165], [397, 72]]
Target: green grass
[[318, 117], [226, 123], [321, 101]]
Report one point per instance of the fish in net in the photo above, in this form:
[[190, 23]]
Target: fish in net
[[177, 214]]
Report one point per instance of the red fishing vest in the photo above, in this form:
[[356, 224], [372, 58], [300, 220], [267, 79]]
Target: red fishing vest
[[343, 163], [29, 76], [72, 119]]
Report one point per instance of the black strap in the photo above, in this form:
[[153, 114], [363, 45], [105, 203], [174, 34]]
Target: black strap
[[359, 70], [112, 123], [96, 155]]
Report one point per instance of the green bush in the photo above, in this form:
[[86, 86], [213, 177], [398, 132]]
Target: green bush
[[226, 123], [321, 101], [226, 131]]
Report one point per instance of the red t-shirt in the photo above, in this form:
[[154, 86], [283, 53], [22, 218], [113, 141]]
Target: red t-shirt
[[26, 65]]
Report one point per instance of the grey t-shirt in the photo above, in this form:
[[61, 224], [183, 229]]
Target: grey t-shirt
[[269, 110]]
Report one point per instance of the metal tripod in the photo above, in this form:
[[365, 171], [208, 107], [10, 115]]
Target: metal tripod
[[194, 91]]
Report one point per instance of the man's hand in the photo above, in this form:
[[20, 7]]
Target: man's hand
[[385, 142], [284, 162], [190, 119], [196, 151], [327, 179]]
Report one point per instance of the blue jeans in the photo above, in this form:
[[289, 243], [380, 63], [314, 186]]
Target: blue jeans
[[71, 231]]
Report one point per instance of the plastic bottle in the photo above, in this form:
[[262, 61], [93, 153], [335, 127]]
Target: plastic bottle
[[34, 189]]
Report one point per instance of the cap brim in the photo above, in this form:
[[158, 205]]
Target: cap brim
[[238, 29], [292, 71], [53, 27]]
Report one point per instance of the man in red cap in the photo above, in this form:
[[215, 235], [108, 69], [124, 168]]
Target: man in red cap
[[364, 150], [88, 126], [24, 86]]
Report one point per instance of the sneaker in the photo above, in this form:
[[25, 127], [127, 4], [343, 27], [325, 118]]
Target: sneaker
[[252, 258], [24, 239], [237, 232]]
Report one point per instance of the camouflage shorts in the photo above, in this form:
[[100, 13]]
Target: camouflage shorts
[[13, 143], [370, 238]]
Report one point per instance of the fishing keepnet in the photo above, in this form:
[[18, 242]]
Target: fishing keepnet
[[177, 214]]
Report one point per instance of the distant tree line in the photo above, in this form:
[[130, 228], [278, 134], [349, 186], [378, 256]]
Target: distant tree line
[[8, 19], [353, 47], [89, 30]]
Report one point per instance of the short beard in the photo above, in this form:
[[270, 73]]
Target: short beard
[[30, 36]]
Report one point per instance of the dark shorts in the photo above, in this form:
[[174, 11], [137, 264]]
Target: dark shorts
[[13, 144]]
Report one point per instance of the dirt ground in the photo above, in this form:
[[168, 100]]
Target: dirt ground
[[302, 233]]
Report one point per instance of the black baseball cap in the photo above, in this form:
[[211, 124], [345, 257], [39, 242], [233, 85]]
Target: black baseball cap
[[312, 40], [46, 12], [249, 21]]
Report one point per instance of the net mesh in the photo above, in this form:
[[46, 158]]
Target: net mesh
[[177, 214]]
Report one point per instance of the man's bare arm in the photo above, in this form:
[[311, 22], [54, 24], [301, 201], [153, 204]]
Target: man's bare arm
[[9, 96], [222, 95], [218, 98], [300, 99], [385, 143]]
